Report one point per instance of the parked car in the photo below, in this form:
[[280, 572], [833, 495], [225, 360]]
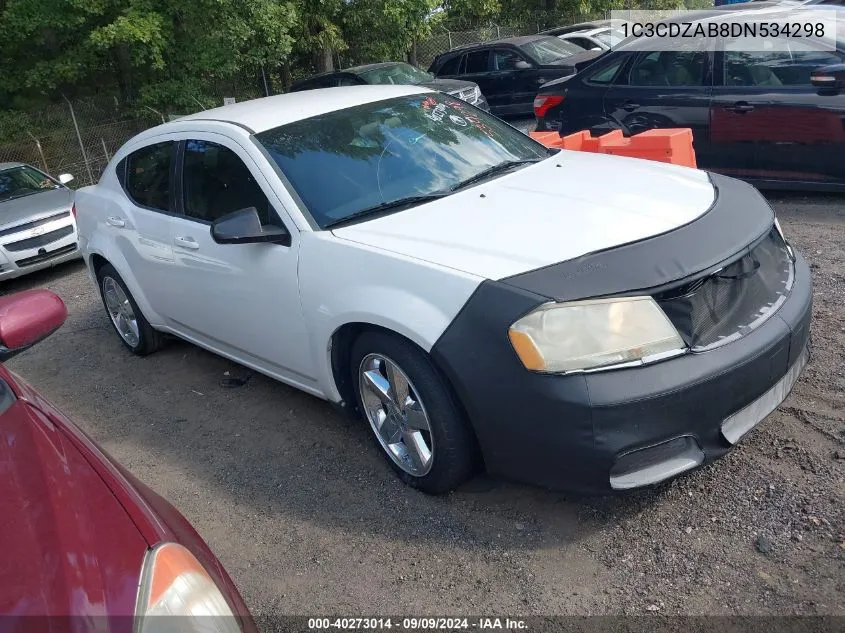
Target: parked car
[[592, 40], [37, 220], [463, 288], [84, 542], [771, 117], [509, 71], [579, 27], [600, 39], [394, 73]]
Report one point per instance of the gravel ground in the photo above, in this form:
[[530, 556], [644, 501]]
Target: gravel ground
[[308, 519]]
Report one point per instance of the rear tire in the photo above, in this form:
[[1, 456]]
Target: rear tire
[[132, 327], [414, 417]]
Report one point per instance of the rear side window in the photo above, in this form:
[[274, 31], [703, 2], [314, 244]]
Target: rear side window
[[477, 62], [452, 66], [682, 69], [148, 176], [773, 69]]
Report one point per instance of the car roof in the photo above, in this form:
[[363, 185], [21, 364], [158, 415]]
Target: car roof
[[580, 26], [258, 115], [365, 67], [516, 41]]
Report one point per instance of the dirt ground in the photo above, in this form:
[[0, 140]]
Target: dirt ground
[[309, 520]]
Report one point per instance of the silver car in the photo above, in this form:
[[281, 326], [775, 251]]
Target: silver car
[[37, 220]]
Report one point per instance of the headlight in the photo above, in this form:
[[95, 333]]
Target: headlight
[[476, 95], [174, 583], [561, 337]]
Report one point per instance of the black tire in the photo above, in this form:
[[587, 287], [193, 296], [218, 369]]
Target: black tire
[[454, 450], [149, 339]]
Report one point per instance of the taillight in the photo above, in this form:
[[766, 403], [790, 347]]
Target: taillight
[[73, 210], [542, 104]]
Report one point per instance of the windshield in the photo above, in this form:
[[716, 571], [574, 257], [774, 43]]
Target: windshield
[[400, 74], [345, 162], [23, 181], [549, 50]]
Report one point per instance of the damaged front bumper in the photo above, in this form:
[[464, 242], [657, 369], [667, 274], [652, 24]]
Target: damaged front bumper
[[619, 429]]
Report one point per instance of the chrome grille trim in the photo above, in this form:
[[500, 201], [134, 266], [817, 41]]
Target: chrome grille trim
[[33, 224], [39, 240]]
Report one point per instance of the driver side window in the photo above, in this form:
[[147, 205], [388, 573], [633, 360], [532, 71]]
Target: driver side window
[[504, 59], [215, 182]]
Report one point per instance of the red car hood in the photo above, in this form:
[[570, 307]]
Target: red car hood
[[68, 546]]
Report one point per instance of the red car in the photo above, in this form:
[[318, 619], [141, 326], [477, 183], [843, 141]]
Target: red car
[[82, 540]]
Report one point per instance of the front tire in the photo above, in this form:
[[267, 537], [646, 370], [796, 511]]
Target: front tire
[[412, 413], [132, 327]]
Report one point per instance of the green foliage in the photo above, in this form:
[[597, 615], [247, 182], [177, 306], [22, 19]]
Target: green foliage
[[180, 55], [385, 29], [137, 49]]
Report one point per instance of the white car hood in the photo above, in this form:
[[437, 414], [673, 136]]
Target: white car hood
[[568, 205]]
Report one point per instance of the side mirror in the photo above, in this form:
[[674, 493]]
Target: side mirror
[[65, 178], [28, 317], [522, 65], [244, 227], [830, 79]]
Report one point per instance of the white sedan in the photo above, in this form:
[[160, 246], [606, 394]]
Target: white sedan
[[599, 39], [572, 320]]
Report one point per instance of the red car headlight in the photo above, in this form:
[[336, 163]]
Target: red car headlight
[[174, 583]]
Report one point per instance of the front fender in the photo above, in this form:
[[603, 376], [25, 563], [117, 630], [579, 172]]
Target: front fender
[[342, 282]]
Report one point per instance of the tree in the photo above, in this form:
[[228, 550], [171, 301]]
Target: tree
[[383, 30], [159, 52]]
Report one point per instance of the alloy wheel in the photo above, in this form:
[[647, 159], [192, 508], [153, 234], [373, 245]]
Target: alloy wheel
[[396, 414], [120, 310]]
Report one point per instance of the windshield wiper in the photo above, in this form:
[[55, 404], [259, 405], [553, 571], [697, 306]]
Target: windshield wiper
[[495, 169], [386, 207]]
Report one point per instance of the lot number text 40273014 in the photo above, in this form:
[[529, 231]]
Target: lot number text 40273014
[[417, 624]]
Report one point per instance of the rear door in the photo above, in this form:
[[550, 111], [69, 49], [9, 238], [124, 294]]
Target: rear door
[[476, 67], [140, 225], [664, 89], [768, 122]]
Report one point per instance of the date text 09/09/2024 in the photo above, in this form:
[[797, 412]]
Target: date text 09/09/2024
[[417, 624]]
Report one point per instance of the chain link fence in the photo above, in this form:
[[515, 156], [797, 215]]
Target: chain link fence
[[77, 138], [446, 40]]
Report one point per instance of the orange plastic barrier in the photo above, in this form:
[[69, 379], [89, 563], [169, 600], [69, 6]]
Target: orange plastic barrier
[[666, 146]]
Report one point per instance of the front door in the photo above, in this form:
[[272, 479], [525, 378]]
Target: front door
[[769, 123], [664, 89], [514, 88], [241, 300]]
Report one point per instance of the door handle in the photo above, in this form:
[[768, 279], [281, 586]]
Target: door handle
[[186, 242], [740, 107], [115, 221], [630, 106]]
